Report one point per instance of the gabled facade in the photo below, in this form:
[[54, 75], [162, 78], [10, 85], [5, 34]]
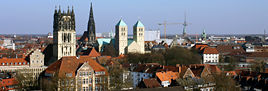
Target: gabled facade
[[84, 73], [210, 55]]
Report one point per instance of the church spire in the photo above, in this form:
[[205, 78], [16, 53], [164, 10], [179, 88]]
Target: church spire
[[91, 26]]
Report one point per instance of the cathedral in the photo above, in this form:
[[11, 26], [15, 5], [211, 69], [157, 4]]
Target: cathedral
[[89, 36], [123, 44], [64, 34]]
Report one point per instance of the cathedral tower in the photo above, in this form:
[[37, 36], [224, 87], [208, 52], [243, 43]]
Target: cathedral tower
[[121, 37], [138, 35], [91, 27], [64, 34]]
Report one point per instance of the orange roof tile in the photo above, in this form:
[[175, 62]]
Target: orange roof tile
[[151, 83], [209, 50], [71, 64], [94, 53], [167, 76], [13, 61]]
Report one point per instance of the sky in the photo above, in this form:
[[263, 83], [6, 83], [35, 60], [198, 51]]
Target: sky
[[215, 16]]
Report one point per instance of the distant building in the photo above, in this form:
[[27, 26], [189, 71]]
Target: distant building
[[7, 43], [77, 74], [33, 63], [49, 35], [167, 77], [7, 82], [64, 34], [210, 55], [151, 35]]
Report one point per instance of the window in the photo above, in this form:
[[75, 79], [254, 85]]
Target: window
[[90, 88], [96, 88], [3, 63], [97, 80], [90, 80], [81, 73], [79, 81], [84, 81], [15, 63]]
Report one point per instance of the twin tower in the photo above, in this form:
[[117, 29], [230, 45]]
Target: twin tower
[[124, 45], [64, 35]]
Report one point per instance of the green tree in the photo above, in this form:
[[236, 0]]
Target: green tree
[[26, 80], [258, 66], [225, 83], [116, 79], [109, 50], [232, 62], [179, 55]]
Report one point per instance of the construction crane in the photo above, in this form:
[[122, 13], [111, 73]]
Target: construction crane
[[165, 26], [185, 24]]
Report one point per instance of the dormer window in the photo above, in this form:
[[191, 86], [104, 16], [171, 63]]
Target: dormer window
[[19, 63], [3, 63], [7, 63], [15, 63]]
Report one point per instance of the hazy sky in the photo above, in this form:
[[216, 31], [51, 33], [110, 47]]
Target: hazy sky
[[216, 16]]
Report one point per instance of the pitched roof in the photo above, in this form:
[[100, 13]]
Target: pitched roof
[[209, 50], [13, 61], [151, 83], [257, 54], [138, 24], [167, 76], [121, 23], [94, 53], [71, 64], [8, 82], [227, 49], [197, 46]]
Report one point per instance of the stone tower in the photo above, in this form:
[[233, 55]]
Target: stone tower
[[64, 34], [91, 28], [138, 35], [121, 37]]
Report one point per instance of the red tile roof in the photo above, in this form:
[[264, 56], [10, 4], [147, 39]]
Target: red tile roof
[[198, 46], [257, 54], [94, 53], [227, 49], [151, 83], [71, 64], [13, 61], [209, 50], [167, 76], [8, 82]]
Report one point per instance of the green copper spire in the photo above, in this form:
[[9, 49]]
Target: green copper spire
[[138, 24], [121, 23], [204, 35]]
